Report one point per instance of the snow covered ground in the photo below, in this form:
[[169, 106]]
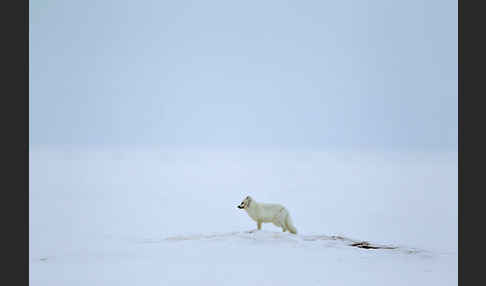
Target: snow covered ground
[[169, 217]]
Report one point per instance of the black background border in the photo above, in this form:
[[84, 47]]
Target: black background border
[[14, 137]]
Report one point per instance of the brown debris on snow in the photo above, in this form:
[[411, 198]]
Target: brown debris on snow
[[367, 245]]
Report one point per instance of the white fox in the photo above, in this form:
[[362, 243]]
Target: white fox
[[274, 213]]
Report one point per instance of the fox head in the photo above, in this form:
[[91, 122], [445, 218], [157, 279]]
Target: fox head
[[245, 203]]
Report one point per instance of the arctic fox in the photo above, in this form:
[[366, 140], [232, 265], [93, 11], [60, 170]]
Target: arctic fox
[[274, 213]]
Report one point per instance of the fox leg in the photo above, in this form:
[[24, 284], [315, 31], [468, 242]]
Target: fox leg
[[282, 225], [259, 224]]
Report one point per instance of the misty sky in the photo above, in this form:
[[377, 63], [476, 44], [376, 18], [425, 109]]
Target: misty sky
[[274, 74]]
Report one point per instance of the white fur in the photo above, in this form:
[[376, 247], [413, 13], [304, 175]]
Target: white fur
[[274, 213]]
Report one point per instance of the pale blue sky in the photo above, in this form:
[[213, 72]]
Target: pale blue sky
[[252, 74]]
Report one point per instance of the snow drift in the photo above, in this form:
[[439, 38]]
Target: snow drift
[[159, 216]]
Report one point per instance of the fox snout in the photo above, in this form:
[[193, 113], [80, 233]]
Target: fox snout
[[245, 203]]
